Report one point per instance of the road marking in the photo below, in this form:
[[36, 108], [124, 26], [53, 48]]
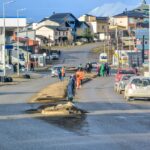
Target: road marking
[[99, 112], [110, 112], [20, 116]]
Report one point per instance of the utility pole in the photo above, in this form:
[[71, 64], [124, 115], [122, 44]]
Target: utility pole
[[143, 48], [4, 35], [18, 51], [4, 38], [117, 46]]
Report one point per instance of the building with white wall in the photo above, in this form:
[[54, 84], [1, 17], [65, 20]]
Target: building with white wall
[[11, 25]]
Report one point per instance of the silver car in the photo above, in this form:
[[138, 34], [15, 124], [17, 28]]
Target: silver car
[[138, 87], [54, 70], [122, 83]]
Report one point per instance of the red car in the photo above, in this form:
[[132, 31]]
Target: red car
[[122, 72]]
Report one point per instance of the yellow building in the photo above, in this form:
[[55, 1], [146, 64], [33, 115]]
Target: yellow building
[[98, 25]]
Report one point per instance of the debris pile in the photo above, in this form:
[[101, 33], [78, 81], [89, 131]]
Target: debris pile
[[62, 110]]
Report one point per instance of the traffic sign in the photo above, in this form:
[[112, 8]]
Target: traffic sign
[[8, 46]]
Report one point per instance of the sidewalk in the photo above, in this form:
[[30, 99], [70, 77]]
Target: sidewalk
[[18, 79]]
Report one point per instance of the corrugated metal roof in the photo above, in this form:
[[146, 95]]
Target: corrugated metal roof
[[131, 14]]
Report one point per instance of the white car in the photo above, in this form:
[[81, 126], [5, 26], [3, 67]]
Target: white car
[[122, 83], [54, 71], [54, 56], [137, 87]]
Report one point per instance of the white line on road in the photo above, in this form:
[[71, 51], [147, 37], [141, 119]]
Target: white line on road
[[109, 112]]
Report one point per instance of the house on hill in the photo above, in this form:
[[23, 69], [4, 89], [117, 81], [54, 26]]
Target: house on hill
[[66, 27]]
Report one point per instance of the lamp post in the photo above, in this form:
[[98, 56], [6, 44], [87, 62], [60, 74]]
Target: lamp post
[[18, 52], [27, 44], [44, 56], [4, 36]]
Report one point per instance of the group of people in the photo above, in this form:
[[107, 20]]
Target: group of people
[[103, 70], [61, 73]]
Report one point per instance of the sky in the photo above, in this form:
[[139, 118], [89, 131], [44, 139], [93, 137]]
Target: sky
[[36, 10]]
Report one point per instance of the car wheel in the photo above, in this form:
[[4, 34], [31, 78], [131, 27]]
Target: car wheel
[[127, 98], [120, 92]]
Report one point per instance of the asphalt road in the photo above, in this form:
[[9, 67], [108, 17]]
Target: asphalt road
[[110, 124]]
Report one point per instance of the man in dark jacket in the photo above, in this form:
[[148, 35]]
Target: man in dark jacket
[[71, 88]]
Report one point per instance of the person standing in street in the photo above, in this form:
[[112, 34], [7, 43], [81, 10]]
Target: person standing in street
[[71, 88], [102, 70], [82, 75], [32, 66], [98, 70], [63, 72], [59, 74], [78, 79]]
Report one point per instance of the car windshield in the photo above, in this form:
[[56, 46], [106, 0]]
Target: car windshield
[[126, 77], [141, 82], [126, 72]]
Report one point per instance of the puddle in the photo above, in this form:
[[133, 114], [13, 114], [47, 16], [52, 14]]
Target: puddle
[[73, 123], [76, 124]]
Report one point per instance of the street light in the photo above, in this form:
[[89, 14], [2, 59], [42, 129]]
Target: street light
[[44, 56], [27, 44], [18, 52], [4, 35]]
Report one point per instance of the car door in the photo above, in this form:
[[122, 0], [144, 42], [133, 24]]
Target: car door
[[145, 88], [137, 87]]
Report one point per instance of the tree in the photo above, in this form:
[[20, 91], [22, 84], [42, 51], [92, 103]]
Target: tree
[[87, 34]]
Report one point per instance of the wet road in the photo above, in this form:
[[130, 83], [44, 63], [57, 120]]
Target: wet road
[[110, 124]]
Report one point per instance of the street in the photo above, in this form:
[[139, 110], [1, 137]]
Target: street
[[110, 124]]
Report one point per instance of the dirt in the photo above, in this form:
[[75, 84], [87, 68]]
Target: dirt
[[55, 98], [52, 93], [62, 110]]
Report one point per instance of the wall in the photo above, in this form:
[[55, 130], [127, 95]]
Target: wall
[[93, 27], [45, 23], [121, 21], [44, 31], [13, 22]]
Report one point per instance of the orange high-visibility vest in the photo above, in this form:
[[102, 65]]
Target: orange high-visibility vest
[[63, 71]]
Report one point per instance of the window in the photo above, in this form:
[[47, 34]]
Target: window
[[56, 33]]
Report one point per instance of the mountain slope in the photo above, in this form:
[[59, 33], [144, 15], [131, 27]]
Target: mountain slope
[[110, 9]]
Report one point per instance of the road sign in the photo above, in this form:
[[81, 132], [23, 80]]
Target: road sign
[[9, 47]]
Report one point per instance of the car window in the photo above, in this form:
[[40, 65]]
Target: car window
[[137, 82], [146, 82], [126, 78], [126, 72]]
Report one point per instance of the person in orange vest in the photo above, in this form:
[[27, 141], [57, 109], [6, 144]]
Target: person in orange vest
[[78, 79], [63, 72], [82, 75]]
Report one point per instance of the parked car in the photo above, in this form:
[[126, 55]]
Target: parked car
[[54, 56], [122, 83], [138, 87], [122, 72], [94, 64], [54, 72], [9, 69]]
